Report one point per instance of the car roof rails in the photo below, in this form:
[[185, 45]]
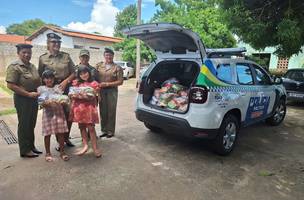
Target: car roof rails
[[225, 52]]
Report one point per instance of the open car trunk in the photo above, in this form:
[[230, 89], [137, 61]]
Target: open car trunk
[[167, 86]]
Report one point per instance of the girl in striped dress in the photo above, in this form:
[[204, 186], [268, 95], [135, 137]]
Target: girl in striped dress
[[53, 118]]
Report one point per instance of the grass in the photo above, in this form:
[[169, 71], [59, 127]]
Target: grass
[[5, 89], [8, 111], [265, 173]]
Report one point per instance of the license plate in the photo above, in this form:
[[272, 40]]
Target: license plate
[[296, 95]]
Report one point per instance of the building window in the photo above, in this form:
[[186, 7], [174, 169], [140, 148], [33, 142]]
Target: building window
[[78, 47], [283, 63], [97, 48]]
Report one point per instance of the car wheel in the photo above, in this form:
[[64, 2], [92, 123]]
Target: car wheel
[[153, 128], [227, 135], [279, 114]]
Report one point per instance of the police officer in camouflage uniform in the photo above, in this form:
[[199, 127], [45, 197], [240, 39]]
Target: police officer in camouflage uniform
[[64, 68], [111, 76], [22, 77]]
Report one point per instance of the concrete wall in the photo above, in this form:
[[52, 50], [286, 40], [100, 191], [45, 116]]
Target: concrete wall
[[295, 61], [8, 54]]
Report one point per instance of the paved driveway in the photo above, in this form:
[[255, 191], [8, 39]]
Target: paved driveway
[[268, 163]]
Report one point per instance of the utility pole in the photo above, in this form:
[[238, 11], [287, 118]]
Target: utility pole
[[138, 41]]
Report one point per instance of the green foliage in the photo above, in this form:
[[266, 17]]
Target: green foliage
[[128, 17], [8, 112], [5, 89], [261, 61], [265, 173], [128, 45], [202, 17], [25, 28], [267, 23]]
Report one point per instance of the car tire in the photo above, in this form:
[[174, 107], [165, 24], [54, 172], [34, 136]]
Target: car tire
[[127, 77], [279, 114], [153, 128], [227, 135]]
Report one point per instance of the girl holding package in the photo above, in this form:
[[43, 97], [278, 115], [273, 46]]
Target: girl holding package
[[53, 118], [84, 108]]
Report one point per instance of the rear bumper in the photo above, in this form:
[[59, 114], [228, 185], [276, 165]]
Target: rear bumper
[[295, 95], [174, 124]]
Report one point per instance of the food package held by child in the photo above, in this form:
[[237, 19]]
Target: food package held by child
[[82, 92], [49, 98]]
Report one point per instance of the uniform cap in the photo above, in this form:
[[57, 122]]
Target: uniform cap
[[24, 46], [108, 50], [84, 52], [53, 37]]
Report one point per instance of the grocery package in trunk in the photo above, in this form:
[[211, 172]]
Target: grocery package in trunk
[[171, 95]]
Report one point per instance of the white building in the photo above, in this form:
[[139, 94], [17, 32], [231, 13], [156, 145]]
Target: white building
[[72, 38]]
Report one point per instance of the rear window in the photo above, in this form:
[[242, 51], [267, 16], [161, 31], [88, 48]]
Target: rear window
[[244, 74], [224, 73], [295, 75], [122, 64]]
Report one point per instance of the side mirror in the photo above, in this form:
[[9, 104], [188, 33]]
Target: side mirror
[[278, 80]]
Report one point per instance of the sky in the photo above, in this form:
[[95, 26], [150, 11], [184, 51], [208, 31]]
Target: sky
[[82, 15]]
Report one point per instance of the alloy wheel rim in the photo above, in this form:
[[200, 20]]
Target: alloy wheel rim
[[229, 135], [279, 113]]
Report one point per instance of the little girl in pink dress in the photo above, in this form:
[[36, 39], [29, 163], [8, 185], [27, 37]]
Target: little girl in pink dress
[[84, 108]]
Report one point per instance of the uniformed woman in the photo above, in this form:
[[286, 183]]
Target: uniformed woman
[[64, 68], [22, 77], [111, 76]]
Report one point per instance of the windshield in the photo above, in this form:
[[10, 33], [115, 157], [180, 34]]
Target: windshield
[[295, 75]]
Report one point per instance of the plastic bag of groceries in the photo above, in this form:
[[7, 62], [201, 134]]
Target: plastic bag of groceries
[[165, 98], [172, 80], [49, 98], [171, 95], [82, 92]]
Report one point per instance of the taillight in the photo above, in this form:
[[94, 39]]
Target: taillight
[[198, 94]]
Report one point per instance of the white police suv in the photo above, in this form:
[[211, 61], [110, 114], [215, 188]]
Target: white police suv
[[223, 93]]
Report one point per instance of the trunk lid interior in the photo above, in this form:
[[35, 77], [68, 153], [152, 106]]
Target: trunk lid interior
[[167, 39]]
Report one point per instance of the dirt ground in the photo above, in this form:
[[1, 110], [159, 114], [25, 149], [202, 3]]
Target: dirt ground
[[268, 163]]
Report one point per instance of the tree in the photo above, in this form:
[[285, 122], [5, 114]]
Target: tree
[[127, 17], [25, 28], [202, 17], [277, 23]]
